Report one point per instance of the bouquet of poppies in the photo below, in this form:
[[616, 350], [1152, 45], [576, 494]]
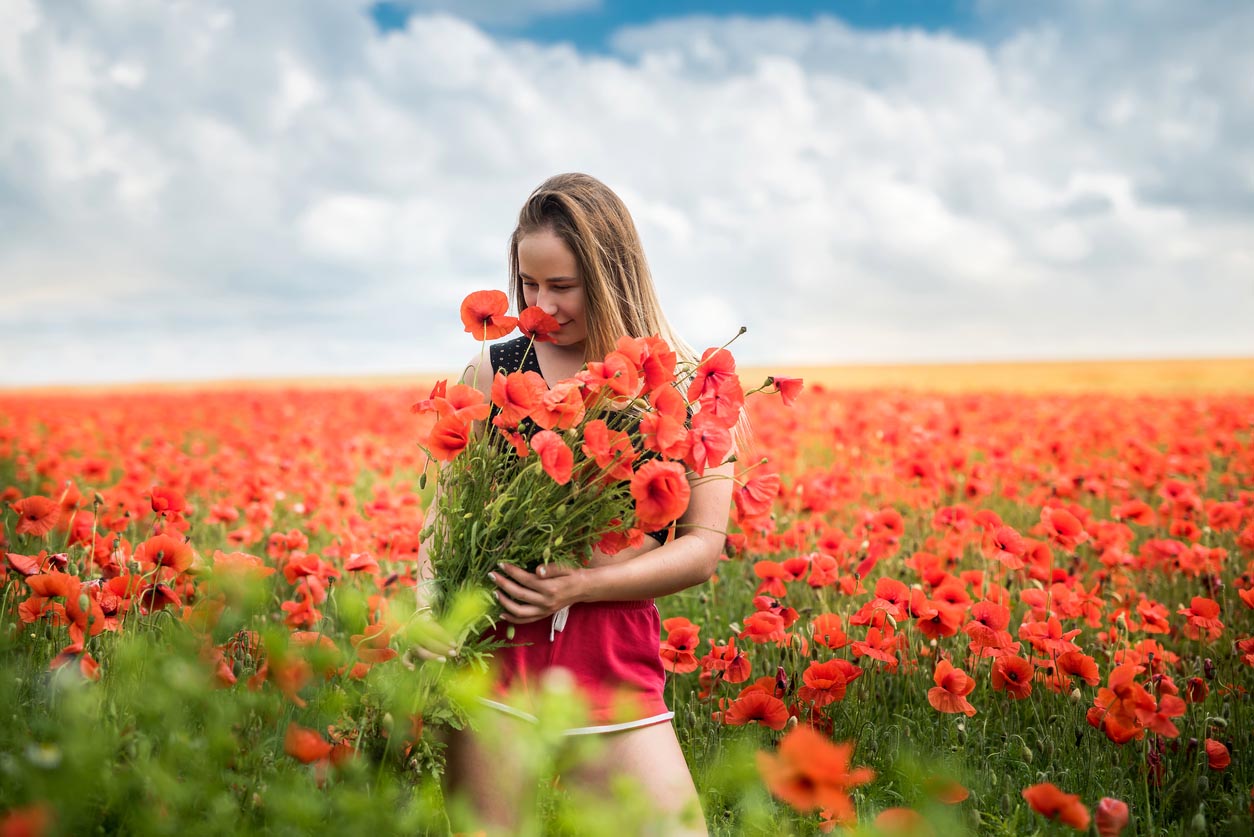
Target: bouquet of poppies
[[539, 474]]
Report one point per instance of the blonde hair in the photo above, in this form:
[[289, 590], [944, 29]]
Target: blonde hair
[[617, 284]]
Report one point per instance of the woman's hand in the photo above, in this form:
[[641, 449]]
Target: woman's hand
[[527, 596], [432, 642]]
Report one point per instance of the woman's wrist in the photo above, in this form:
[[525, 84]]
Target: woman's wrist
[[587, 584]]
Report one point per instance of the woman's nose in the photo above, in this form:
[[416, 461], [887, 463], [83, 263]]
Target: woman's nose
[[546, 303]]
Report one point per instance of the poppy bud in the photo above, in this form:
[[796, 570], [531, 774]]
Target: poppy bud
[[1198, 823], [1208, 668], [1202, 784], [1027, 755], [1076, 697]]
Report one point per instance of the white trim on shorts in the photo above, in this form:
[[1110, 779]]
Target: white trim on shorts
[[527, 716]]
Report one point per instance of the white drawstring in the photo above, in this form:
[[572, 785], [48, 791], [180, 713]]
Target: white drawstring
[[559, 622]]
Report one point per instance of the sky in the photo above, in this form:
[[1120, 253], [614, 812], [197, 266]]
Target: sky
[[215, 189]]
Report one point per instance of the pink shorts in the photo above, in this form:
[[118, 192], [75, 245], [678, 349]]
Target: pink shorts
[[609, 648]]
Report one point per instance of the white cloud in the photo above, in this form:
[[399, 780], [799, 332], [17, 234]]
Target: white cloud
[[280, 173]]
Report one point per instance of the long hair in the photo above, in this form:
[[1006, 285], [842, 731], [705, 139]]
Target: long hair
[[617, 284]]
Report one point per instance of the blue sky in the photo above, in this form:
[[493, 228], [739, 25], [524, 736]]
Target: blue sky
[[240, 189], [589, 29]]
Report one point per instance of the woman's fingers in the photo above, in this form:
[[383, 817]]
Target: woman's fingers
[[520, 612], [516, 591]]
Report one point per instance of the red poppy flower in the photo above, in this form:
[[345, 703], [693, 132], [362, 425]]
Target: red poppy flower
[[756, 496], [1063, 528], [788, 388], [483, 315], [1137, 511], [1079, 664], [726, 659], [165, 551], [827, 631], [1217, 755], [881, 645], [1203, 619], [555, 457], [464, 402], [1050, 802], [1006, 546], [561, 407], [661, 492], [809, 772], [1014, 676], [29, 821], [305, 745], [38, 515], [902, 822], [616, 373], [826, 682], [952, 687], [610, 449], [708, 444], [756, 707], [662, 429], [449, 437], [678, 650], [658, 363], [946, 790], [533, 322], [1112, 817], [166, 500]]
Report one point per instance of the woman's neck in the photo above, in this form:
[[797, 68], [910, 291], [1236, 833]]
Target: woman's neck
[[560, 361]]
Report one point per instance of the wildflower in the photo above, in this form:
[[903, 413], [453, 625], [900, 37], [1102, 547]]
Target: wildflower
[[165, 551], [788, 388], [826, 682], [1217, 755], [828, 632], [755, 707], [1013, 675], [166, 500], [1112, 817], [755, 497], [1047, 800], [38, 515], [610, 449], [556, 459], [535, 323], [661, 493], [1203, 619], [1063, 528], [952, 687], [678, 650], [727, 660], [516, 395], [560, 407], [810, 772], [483, 315]]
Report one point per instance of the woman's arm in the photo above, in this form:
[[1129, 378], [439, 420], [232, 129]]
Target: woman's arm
[[687, 560]]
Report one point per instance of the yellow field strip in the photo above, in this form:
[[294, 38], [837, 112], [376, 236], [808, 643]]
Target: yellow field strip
[[1116, 376]]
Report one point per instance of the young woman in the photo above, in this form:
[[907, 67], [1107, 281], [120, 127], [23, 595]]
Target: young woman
[[576, 254]]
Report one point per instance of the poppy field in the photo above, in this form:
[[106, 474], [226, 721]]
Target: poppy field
[[940, 612]]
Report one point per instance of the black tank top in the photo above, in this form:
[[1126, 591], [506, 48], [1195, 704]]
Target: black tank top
[[509, 357]]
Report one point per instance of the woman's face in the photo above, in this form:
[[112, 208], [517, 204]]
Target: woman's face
[[550, 279]]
